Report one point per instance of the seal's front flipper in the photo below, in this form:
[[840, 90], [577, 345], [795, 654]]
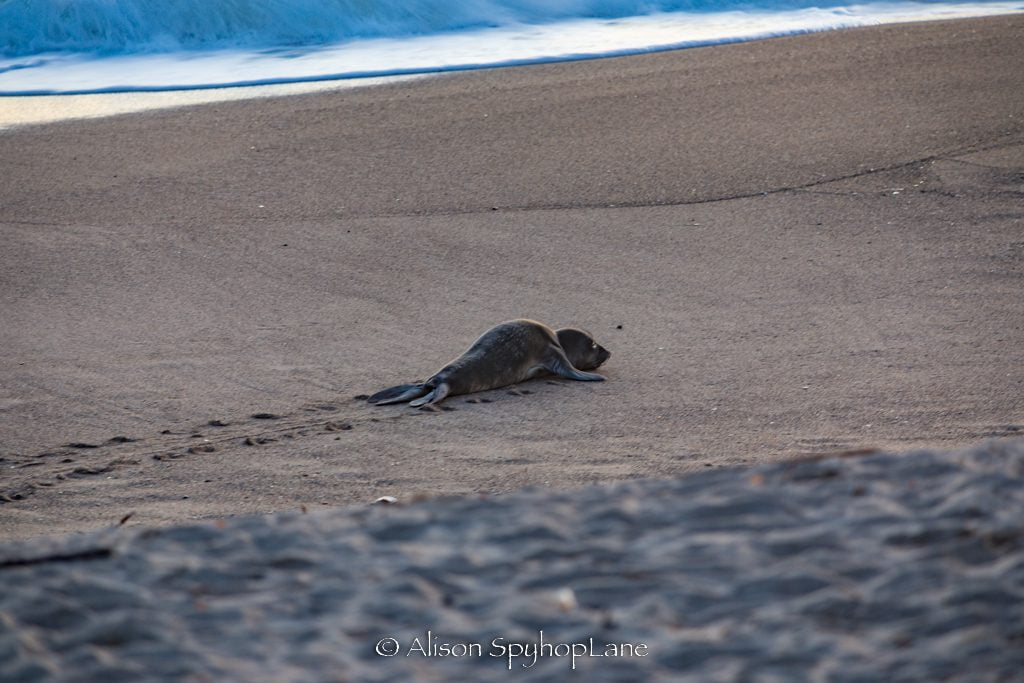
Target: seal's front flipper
[[399, 394], [558, 364], [434, 397]]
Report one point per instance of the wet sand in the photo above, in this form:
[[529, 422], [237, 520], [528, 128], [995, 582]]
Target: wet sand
[[795, 246], [33, 110]]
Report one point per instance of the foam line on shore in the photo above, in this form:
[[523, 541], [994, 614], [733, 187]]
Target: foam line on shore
[[513, 45]]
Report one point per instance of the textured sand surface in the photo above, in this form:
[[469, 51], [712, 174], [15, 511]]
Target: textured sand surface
[[794, 246], [905, 567]]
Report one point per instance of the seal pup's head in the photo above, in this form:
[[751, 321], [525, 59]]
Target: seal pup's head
[[583, 352]]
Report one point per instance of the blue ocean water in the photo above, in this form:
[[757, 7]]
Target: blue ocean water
[[84, 46]]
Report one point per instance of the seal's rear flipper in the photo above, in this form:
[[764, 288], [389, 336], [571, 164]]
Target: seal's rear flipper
[[559, 365], [399, 394], [435, 396]]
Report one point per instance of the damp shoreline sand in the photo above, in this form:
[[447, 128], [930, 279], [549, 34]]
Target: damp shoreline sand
[[794, 246]]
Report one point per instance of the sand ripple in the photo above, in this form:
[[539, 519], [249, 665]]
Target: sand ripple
[[880, 567]]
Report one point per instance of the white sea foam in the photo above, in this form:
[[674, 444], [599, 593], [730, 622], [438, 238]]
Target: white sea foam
[[108, 59], [95, 46], [133, 26]]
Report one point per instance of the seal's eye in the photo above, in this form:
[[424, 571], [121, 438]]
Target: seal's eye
[[593, 346]]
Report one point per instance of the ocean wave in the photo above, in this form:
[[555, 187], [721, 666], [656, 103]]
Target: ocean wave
[[146, 26], [216, 67]]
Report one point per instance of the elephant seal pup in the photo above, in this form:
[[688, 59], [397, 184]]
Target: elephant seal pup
[[508, 353]]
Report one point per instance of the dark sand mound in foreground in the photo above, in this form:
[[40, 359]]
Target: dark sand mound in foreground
[[880, 567]]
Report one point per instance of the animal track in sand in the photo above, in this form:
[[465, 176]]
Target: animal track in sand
[[81, 458], [29, 473], [998, 431]]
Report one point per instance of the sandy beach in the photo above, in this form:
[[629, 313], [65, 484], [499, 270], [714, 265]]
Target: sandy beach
[[904, 567], [795, 246]]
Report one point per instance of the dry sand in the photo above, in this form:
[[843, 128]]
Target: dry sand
[[799, 245], [905, 567]]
